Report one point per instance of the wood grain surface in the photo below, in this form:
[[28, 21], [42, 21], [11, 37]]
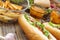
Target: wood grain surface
[[12, 28]]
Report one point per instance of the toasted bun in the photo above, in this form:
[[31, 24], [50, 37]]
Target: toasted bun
[[31, 32], [52, 37], [54, 31], [44, 3]]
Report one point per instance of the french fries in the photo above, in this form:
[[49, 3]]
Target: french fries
[[1, 4], [6, 4], [12, 15], [9, 5], [16, 7], [7, 16]]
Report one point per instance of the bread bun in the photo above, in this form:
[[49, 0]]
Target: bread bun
[[53, 31], [44, 3], [33, 33]]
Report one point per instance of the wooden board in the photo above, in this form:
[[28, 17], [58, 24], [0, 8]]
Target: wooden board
[[12, 28]]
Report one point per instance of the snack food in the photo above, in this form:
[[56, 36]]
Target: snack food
[[37, 11], [55, 17], [53, 28], [33, 29], [7, 4], [8, 16]]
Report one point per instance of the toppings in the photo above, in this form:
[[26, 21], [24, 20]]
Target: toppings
[[29, 19], [49, 10], [42, 27], [53, 5], [46, 17], [46, 33], [37, 24], [54, 25]]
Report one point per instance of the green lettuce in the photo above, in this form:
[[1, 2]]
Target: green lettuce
[[54, 25], [39, 25], [46, 33]]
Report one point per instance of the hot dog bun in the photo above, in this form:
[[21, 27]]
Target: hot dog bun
[[54, 31], [33, 33]]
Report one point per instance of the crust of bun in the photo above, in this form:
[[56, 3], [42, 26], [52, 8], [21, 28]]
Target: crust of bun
[[53, 31], [52, 37], [31, 32], [44, 3]]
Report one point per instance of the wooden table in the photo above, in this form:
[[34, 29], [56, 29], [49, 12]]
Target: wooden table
[[12, 28]]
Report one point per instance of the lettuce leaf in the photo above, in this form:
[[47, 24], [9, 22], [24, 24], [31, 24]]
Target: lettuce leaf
[[28, 19], [54, 25], [49, 10], [46, 33]]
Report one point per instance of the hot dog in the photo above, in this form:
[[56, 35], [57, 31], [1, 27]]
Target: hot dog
[[33, 29], [53, 28]]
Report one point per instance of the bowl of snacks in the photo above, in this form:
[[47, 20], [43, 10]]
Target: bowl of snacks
[[10, 9], [8, 16], [14, 5]]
